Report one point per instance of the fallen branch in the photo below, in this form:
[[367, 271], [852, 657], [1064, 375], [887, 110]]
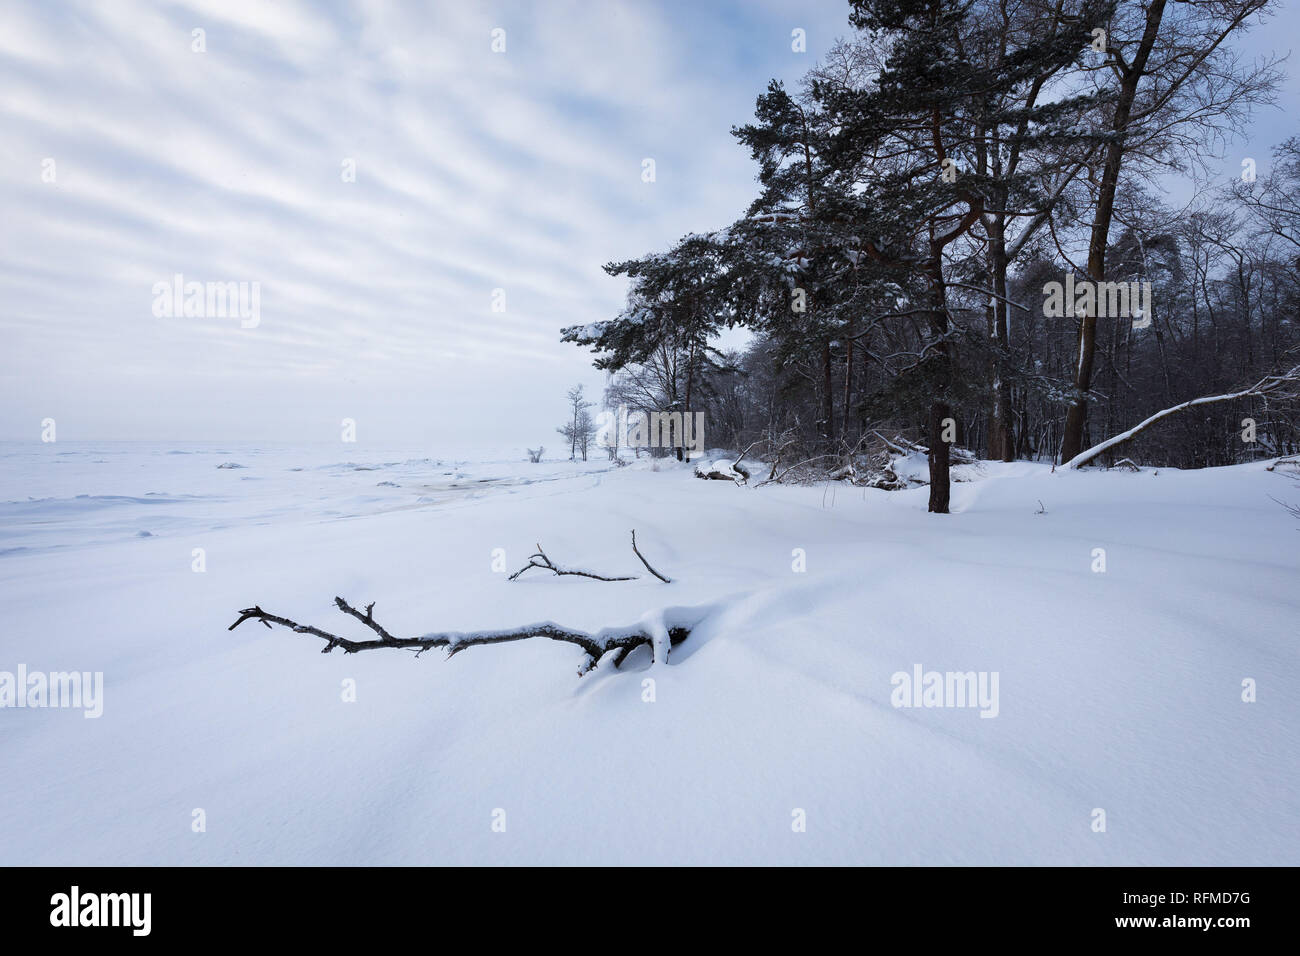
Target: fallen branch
[[902, 446], [624, 640], [897, 448], [797, 464], [547, 564], [1293, 510], [647, 563], [736, 463], [722, 470], [1283, 384], [540, 560]]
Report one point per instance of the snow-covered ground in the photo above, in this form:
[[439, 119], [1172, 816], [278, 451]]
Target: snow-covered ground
[[1118, 690]]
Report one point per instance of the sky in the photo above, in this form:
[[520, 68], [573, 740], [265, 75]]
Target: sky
[[419, 213]]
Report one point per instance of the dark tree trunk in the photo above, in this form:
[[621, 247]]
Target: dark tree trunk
[[828, 391], [940, 409], [1001, 425], [1072, 443], [848, 381], [939, 459]]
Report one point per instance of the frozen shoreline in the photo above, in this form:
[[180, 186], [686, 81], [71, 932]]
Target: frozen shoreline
[[1119, 690]]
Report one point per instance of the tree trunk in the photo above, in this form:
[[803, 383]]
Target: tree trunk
[[1072, 443], [939, 459], [848, 380], [1001, 427], [938, 456], [828, 391]]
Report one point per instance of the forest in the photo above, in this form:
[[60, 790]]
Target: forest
[[924, 198]]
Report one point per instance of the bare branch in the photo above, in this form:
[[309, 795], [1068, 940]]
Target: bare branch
[[541, 560], [547, 564], [621, 639], [1293, 510], [806, 461], [742, 455], [901, 446], [647, 563]]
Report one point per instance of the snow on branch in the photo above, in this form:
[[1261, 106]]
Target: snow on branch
[[1284, 384], [901, 446], [659, 631]]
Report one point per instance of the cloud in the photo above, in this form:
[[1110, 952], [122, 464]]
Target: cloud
[[475, 171]]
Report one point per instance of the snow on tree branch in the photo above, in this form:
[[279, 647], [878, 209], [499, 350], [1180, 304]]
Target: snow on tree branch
[[660, 631], [1287, 383]]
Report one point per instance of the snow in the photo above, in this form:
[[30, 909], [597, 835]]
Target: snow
[[1118, 690], [721, 469]]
